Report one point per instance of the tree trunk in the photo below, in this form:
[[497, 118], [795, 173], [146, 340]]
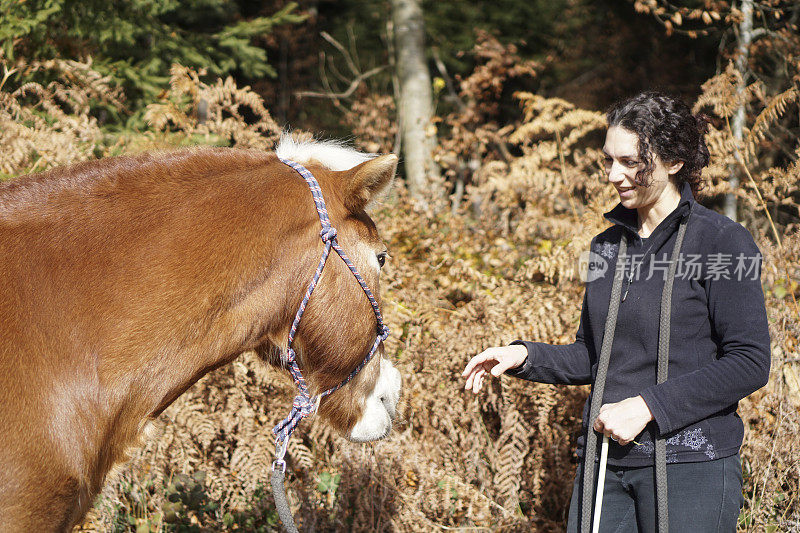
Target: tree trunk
[[415, 108], [737, 124]]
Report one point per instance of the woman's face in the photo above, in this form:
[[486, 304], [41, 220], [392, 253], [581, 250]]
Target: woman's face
[[622, 163]]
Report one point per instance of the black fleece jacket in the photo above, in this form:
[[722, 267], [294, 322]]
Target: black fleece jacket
[[719, 338]]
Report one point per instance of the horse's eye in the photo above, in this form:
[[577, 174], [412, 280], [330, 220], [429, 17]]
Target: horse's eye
[[381, 258]]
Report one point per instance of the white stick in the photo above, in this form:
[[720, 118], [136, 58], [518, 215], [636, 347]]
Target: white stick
[[601, 482]]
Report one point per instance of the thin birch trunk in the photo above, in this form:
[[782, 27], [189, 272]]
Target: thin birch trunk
[[737, 123], [415, 108]]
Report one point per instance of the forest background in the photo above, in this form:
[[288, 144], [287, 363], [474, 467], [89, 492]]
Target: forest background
[[484, 234]]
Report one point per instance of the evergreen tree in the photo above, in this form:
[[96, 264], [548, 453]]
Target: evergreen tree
[[136, 41]]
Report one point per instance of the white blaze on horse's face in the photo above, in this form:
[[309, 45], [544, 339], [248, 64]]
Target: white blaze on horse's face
[[380, 406]]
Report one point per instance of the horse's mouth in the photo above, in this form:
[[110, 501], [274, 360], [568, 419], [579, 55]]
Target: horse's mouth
[[380, 407], [372, 438]]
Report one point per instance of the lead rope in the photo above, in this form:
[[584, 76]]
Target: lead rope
[[590, 453], [662, 504], [304, 404]]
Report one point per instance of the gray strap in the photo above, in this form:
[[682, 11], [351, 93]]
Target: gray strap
[[279, 493], [590, 452], [662, 504]]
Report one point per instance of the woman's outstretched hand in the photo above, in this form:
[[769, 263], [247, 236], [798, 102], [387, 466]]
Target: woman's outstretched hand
[[622, 421], [495, 361]]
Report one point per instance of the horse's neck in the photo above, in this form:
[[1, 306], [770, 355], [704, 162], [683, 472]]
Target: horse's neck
[[172, 288], [118, 300], [207, 329]]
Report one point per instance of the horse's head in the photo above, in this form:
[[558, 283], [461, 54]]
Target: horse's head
[[339, 326]]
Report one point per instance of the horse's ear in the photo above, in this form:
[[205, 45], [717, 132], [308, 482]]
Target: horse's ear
[[368, 181]]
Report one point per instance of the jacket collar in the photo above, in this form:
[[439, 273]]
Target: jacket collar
[[628, 218]]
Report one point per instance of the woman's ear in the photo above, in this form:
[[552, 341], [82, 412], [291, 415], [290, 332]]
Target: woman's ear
[[674, 168], [368, 181]]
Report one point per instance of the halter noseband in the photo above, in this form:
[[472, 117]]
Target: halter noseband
[[303, 404]]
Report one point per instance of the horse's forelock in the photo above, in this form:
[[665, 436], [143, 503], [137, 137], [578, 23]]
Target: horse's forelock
[[333, 154]]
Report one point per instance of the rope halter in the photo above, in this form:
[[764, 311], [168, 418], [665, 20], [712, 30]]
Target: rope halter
[[304, 404]]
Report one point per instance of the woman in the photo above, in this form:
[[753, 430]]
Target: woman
[[716, 338]]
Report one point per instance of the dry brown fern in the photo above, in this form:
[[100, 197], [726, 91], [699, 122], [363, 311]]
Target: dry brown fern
[[773, 110], [220, 111], [513, 446], [50, 125]]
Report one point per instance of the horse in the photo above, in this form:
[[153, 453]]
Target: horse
[[127, 279]]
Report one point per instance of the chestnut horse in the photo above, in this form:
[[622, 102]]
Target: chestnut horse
[[125, 280]]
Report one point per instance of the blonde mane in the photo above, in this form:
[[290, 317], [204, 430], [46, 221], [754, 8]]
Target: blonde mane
[[332, 154]]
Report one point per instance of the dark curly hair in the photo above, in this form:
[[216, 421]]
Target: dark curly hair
[[665, 126]]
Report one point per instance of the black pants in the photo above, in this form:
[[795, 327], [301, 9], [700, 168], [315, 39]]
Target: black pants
[[704, 497]]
